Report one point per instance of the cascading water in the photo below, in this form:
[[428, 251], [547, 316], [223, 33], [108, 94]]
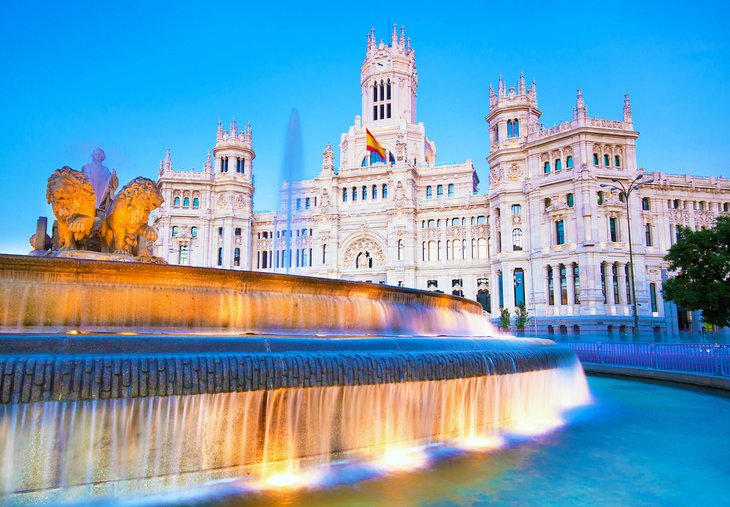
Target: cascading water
[[238, 378], [123, 446]]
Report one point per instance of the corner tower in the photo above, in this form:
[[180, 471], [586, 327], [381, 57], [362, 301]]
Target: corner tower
[[389, 81]]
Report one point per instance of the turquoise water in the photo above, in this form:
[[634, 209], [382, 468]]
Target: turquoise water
[[638, 444]]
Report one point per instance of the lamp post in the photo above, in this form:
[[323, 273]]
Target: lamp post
[[625, 192]]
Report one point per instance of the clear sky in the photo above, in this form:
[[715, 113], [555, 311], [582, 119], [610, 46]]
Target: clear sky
[[135, 78]]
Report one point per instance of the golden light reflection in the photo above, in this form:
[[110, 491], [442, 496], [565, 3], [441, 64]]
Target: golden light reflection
[[537, 426], [284, 480], [403, 459], [483, 443]]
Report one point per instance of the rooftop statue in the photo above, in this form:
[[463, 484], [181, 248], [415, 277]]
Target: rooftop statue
[[91, 221]]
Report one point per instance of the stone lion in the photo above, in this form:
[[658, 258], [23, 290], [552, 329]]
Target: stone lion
[[73, 200], [128, 216]]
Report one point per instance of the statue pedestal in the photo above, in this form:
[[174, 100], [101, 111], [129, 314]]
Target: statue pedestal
[[97, 256]]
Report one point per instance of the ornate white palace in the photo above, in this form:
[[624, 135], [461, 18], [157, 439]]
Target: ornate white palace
[[544, 234]]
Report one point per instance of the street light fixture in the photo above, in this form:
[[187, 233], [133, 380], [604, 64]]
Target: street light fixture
[[625, 192]]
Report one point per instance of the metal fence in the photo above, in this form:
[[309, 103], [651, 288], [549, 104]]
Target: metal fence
[[701, 359]]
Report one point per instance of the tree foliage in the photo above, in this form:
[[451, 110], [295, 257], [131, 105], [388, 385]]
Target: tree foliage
[[504, 318], [701, 261], [521, 317]]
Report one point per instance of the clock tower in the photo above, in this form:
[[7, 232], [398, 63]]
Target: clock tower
[[389, 80]]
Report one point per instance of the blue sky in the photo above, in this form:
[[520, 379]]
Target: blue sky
[[135, 78]]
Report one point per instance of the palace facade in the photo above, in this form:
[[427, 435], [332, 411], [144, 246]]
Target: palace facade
[[545, 233]]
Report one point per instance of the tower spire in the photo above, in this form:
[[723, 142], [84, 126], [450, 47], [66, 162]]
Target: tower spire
[[168, 161], [220, 129], [394, 36], [580, 111], [208, 164], [500, 86], [402, 41], [521, 88], [234, 127], [627, 110]]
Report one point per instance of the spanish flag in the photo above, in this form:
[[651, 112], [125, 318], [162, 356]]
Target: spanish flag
[[428, 149], [374, 145]]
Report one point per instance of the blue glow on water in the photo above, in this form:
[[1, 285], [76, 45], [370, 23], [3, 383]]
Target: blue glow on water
[[638, 444]]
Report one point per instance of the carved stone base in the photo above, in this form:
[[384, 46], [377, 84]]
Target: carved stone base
[[98, 256]]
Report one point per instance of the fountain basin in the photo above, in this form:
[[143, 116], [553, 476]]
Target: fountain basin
[[58, 295]]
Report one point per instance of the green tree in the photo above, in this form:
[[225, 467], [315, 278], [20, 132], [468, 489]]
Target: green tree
[[701, 261], [521, 317], [504, 318]]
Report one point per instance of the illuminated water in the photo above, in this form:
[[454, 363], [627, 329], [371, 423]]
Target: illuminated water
[[639, 444]]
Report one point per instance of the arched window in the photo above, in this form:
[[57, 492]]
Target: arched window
[[354, 194], [176, 201], [384, 192], [450, 190], [571, 200], [432, 223], [440, 191], [481, 219], [606, 161], [569, 162], [595, 159], [599, 197], [548, 202], [516, 209], [186, 202], [236, 256], [617, 161], [344, 195], [174, 230], [516, 239], [400, 249], [454, 221], [546, 168], [516, 128], [364, 193], [299, 203], [196, 202], [375, 192], [645, 204], [509, 129], [558, 165], [194, 232], [429, 192], [432, 251]]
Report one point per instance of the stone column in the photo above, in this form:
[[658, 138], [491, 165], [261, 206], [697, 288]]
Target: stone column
[[621, 280], [546, 288], [571, 282], [609, 287]]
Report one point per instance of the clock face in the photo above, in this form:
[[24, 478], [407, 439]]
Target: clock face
[[381, 64]]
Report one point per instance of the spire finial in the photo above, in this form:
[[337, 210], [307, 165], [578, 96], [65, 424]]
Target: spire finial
[[500, 86], [208, 167], [521, 88], [168, 160], [394, 36], [627, 109], [581, 111]]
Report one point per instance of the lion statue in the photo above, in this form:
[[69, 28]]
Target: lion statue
[[73, 200], [128, 216]]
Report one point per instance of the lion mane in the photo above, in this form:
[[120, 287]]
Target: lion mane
[[73, 200], [128, 216]]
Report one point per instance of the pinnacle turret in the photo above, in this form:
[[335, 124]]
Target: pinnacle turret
[[580, 110], [627, 110], [168, 161], [521, 88]]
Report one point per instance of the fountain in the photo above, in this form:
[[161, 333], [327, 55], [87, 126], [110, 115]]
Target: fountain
[[126, 377]]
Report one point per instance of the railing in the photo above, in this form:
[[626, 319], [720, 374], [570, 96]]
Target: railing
[[701, 359]]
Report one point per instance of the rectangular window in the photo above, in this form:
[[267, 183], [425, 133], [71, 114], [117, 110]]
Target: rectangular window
[[307, 203], [627, 272], [500, 286], [560, 232], [220, 256], [440, 191], [652, 295], [450, 190], [375, 192], [388, 111], [563, 285], [576, 284], [612, 229], [614, 272], [375, 112], [647, 231], [519, 283], [603, 283], [382, 111]]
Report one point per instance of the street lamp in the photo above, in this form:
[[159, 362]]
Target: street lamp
[[625, 192]]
